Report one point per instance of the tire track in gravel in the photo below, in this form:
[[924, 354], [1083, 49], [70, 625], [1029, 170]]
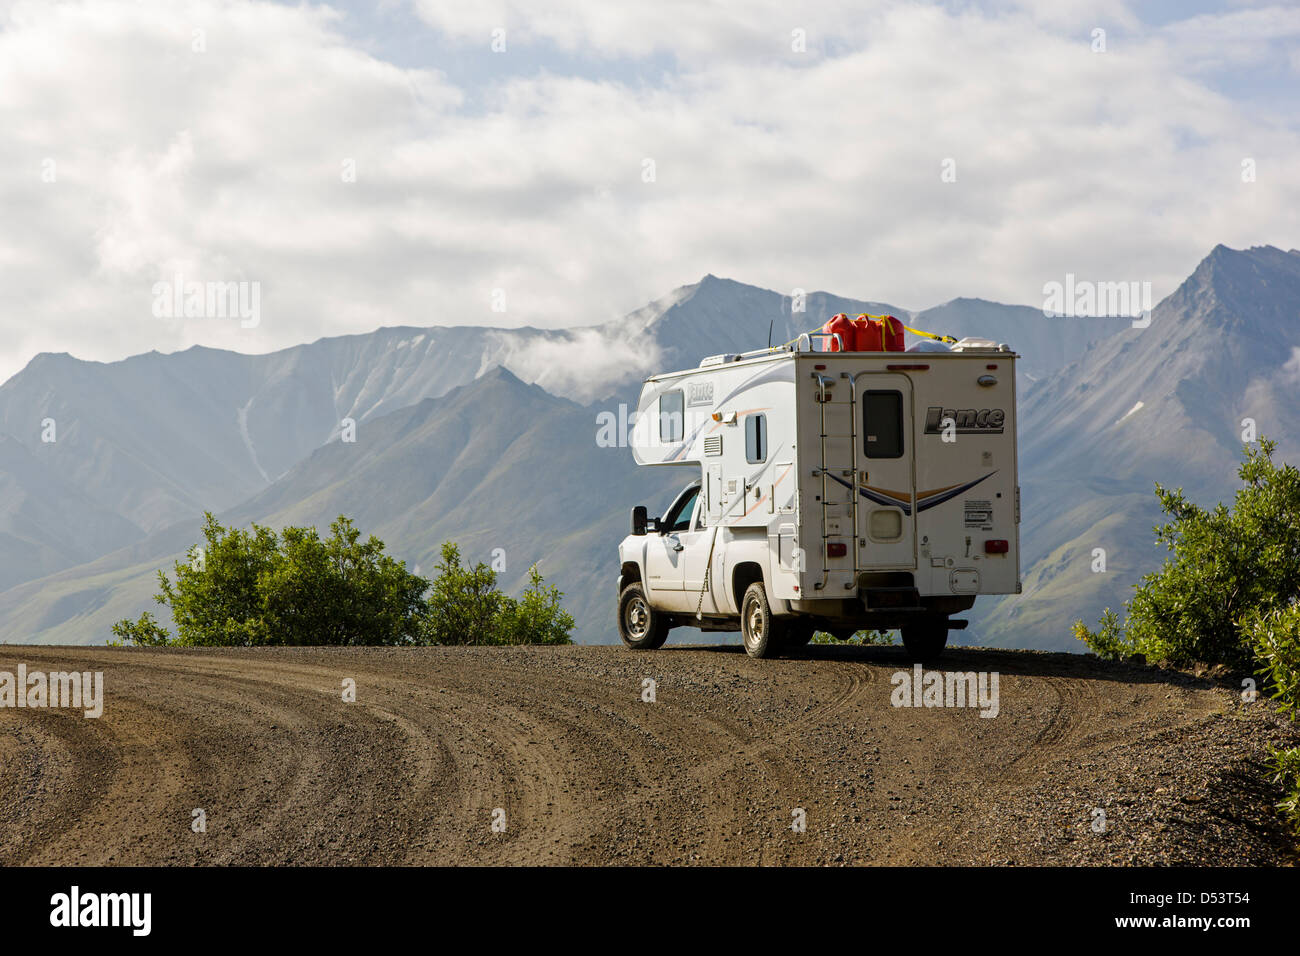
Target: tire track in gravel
[[586, 771]]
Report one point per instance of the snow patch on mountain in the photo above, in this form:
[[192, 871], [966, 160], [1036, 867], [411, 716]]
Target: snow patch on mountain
[[242, 418], [1128, 413]]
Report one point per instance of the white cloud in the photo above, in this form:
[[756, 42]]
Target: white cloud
[[817, 171], [1291, 368], [682, 28]]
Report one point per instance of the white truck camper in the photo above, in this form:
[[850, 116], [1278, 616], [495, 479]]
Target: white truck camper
[[834, 491]]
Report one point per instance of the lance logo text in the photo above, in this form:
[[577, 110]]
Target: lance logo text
[[967, 421]]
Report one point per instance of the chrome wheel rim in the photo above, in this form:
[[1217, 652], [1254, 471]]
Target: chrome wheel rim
[[638, 618], [754, 617]]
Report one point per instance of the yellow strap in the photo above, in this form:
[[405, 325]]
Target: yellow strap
[[926, 335], [948, 339]]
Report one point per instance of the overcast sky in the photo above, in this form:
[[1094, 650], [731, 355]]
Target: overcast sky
[[614, 151]]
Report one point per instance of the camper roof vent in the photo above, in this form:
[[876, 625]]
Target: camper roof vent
[[722, 359]]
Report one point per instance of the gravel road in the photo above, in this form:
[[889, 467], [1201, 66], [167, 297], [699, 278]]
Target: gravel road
[[558, 745]]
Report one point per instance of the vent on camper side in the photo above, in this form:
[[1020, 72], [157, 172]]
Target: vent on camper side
[[713, 445]]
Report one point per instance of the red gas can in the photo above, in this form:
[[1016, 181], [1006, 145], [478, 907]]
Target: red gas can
[[841, 326], [866, 335], [891, 334]]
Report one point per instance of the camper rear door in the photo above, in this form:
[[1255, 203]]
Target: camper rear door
[[886, 474]]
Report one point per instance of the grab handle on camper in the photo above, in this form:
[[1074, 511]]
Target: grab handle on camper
[[798, 346]]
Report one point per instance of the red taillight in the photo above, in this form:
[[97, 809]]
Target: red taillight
[[907, 368], [836, 549], [997, 547]]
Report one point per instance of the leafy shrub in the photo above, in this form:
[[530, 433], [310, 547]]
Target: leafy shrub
[[1227, 565], [1285, 765], [536, 618], [860, 638], [464, 603], [145, 632], [254, 587], [1275, 636], [1228, 596], [1275, 639], [465, 607], [245, 588]]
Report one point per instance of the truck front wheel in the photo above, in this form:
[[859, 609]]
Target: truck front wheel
[[925, 642], [762, 633], [641, 627]]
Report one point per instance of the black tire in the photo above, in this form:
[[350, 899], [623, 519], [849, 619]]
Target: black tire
[[762, 632], [641, 627], [926, 641]]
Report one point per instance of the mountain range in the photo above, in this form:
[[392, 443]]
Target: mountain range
[[488, 437]]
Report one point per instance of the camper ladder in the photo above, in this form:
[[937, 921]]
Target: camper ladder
[[822, 382]]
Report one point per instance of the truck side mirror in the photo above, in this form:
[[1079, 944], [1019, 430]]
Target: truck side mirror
[[638, 520]]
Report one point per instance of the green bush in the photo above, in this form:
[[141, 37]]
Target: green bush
[[145, 632], [465, 607], [860, 638], [246, 588], [464, 603], [1275, 636], [1228, 595], [254, 587], [1285, 765], [1275, 639], [1226, 565], [536, 618]]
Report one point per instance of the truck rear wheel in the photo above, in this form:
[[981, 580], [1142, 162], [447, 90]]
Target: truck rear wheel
[[641, 627], [925, 642], [762, 633]]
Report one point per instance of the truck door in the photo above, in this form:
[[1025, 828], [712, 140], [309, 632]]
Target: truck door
[[664, 550], [886, 465], [695, 560]]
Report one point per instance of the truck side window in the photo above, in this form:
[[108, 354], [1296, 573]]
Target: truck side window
[[679, 518], [670, 416], [755, 438], [882, 423]]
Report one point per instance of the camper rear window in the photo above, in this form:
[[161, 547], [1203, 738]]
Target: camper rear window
[[882, 424], [670, 416], [755, 438]]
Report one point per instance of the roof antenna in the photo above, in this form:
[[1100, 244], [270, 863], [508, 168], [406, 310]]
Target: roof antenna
[[769, 331]]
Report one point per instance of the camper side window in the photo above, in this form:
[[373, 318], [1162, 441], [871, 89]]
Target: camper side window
[[670, 416], [882, 424], [755, 438]]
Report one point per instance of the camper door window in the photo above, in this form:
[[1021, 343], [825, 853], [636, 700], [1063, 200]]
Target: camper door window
[[671, 407], [882, 423], [755, 438]]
